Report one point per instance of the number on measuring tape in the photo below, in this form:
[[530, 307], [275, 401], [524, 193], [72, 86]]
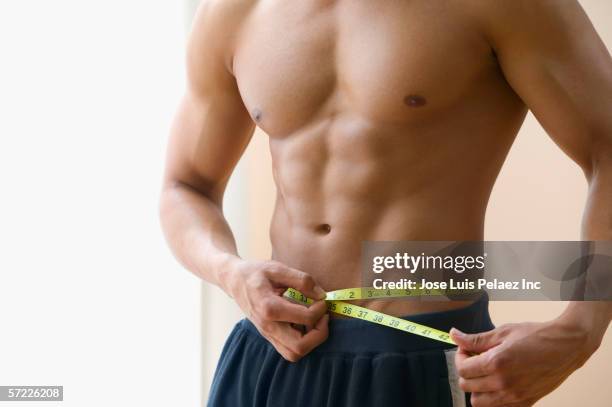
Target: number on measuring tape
[[334, 305]]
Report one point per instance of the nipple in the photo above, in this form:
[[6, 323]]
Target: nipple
[[415, 100], [256, 113]]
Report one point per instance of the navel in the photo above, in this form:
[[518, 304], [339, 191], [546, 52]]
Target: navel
[[415, 101], [323, 229]]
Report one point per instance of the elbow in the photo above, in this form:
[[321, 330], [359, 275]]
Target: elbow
[[599, 163], [169, 199], [597, 222], [600, 168], [166, 204], [176, 193]]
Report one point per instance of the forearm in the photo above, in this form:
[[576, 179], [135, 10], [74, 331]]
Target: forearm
[[590, 318], [198, 233], [595, 316]]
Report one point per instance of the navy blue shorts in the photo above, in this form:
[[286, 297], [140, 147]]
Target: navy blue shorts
[[360, 364]]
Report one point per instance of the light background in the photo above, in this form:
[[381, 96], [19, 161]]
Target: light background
[[90, 297], [539, 195]]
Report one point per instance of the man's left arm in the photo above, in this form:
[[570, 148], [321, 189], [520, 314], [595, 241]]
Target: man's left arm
[[552, 57]]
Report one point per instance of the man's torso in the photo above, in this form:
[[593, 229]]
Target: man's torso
[[388, 120]]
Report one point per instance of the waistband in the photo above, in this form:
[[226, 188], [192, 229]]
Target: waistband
[[357, 336]]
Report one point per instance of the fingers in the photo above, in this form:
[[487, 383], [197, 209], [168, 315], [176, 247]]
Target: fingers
[[275, 317], [480, 384], [278, 309], [291, 344], [488, 376], [496, 399], [500, 399], [477, 343], [284, 351], [317, 335], [484, 400], [289, 277], [470, 367]]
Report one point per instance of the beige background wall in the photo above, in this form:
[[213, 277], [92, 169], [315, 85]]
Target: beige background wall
[[539, 196]]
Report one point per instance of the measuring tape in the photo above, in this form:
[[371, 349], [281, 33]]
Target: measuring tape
[[335, 303]]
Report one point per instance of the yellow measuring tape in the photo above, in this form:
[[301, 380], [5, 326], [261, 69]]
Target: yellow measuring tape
[[335, 303]]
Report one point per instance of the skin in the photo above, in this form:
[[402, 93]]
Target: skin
[[387, 120]]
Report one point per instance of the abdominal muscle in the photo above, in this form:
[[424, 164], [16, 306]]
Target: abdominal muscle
[[343, 182], [333, 259]]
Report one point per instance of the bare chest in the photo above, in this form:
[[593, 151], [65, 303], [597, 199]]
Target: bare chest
[[388, 61]]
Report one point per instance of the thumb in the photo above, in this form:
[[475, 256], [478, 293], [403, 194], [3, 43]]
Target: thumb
[[477, 343]]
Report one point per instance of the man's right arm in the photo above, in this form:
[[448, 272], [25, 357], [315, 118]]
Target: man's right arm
[[211, 131]]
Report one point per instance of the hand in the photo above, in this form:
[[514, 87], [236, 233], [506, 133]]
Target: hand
[[258, 287], [517, 364]]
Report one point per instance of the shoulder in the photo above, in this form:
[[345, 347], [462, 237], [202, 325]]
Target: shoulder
[[503, 19], [521, 9], [223, 13], [217, 22], [214, 32]]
